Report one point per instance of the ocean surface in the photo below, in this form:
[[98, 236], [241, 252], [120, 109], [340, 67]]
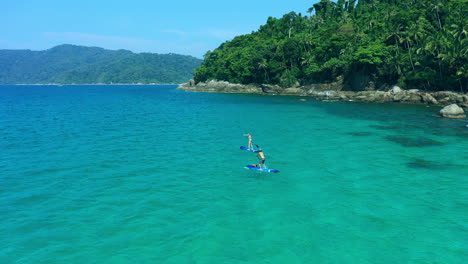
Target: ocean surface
[[151, 174]]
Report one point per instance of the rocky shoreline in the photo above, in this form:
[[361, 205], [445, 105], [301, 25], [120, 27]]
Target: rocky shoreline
[[333, 92]]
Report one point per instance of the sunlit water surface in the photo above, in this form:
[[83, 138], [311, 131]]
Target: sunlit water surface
[[150, 174]]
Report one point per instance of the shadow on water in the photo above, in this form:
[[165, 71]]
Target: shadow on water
[[429, 165], [413, 142], [396, 127], [449, 127], [390, 116], [399, 117], [359, 134], [435, 127]]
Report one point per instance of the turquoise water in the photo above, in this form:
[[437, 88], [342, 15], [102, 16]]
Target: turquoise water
[[150, 174]]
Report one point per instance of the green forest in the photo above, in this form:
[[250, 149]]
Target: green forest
[[70, 64], [416, 44]]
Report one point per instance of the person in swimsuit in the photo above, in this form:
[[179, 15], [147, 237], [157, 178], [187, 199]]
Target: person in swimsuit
[[250, 144], [261, 158]]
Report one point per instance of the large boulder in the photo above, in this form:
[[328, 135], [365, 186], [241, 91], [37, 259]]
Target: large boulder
[[413, 98], [428, 99], [452, 111], [395, 90], [271, 89]]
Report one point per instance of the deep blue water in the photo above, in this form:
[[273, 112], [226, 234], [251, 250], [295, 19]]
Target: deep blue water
[[150, 174]]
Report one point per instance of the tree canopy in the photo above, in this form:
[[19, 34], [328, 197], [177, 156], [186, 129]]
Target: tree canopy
[[416, 44], [83, 65]]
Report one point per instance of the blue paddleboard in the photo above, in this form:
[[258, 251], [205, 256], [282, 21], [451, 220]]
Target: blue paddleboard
[[260, 169], [249, 149]]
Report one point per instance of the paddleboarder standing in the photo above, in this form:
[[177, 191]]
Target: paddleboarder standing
[[250, 144]]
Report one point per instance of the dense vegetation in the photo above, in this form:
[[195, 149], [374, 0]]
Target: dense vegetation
[[78, 64], [416, 44]]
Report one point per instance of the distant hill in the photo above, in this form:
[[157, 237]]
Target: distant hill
[[66, 64]]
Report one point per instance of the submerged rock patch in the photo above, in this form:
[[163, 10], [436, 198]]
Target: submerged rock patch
[[413, 142], [359, 134], [427, 164], [398, 126], [387, 127]]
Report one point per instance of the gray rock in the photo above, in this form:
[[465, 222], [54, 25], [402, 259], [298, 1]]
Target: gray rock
[[464, 98], [343, 96], [395, 90], [293, 91], [219, 87], [361, 98], [444, 100], [428, 99], [272, 89], [380, 96], [398, 97], [452, 111], [450, 97], [414, 98], [311, 91]]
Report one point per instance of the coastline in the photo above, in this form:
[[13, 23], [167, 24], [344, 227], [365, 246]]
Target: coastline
[[64, 84], [333, 92]]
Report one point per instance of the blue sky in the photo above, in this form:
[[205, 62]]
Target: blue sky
[[183, 27]]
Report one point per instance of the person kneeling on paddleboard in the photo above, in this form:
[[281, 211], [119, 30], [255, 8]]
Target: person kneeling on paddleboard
[[261, 157]]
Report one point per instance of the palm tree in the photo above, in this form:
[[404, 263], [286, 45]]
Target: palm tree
[[433, 48], [417, 31], [264, 65], [395, 34], [408, 41], [437, 7]]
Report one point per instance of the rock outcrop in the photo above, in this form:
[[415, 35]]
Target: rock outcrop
[[333, 92], [220, 87]]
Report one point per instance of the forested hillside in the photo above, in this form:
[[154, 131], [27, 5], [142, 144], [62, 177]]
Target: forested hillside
[[417, 44], [78, 64]]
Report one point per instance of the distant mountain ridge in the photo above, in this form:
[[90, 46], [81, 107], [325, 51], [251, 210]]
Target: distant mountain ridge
[[67, 64]]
